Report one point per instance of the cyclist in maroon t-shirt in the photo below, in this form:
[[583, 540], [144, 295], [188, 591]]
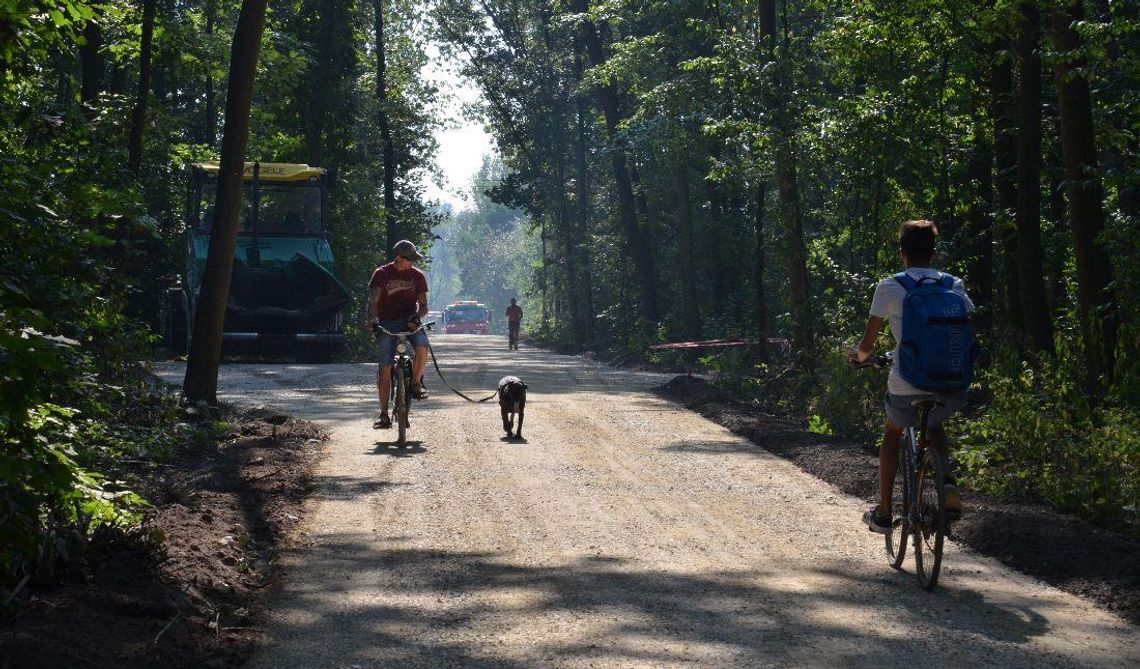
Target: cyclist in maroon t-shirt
[[398, 300]]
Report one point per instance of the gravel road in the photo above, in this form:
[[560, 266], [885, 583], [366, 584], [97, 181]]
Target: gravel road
[[624, 532]]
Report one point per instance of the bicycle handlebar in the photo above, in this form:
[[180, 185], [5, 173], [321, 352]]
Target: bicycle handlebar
[[880, 361], [378, 329]]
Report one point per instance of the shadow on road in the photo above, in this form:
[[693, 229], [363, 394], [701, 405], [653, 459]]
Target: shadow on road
[[431, 607], [390, 448]]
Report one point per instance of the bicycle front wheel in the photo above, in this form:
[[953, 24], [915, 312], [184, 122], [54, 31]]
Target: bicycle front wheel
[[931, 517], [401, 407]]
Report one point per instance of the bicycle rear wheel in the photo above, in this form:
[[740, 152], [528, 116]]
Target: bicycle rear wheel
[[900, 509], [932, 521], [401, 407]]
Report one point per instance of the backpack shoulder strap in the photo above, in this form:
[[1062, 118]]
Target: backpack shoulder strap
[[905, 281]]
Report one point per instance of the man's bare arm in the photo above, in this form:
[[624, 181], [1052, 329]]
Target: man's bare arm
[[863, 349], [375, 296]]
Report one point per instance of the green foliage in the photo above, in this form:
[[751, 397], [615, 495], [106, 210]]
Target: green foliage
[[1040, 438], [850, 400]]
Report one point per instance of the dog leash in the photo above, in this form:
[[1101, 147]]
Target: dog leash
[[441, 378]]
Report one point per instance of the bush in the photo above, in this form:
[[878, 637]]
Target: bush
[[849, 401], [1041, 439]]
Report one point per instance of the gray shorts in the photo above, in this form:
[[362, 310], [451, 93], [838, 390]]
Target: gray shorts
[[902, 413]]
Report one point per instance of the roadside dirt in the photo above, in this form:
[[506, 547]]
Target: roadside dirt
[[181, 592], [1059, 549]]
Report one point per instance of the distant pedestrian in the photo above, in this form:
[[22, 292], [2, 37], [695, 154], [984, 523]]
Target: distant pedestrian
[[514, 320]]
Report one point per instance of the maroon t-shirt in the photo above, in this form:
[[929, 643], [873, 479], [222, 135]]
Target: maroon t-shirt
[[399, 291]]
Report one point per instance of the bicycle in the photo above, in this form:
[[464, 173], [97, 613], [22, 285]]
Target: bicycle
[[918, 501], [401, 378]]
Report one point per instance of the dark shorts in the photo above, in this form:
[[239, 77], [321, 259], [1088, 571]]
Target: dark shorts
[[902, 412], [387, 343], [513, 326]]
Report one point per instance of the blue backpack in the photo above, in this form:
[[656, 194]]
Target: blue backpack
[[936, 345]]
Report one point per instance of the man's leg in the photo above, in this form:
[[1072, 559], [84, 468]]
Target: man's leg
[[384, 387], [941, 443], [419, 364], [888, 465]]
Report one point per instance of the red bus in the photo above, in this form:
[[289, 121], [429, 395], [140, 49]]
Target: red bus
[[466, 317]]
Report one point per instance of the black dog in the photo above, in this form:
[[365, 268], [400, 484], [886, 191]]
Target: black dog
[[512, 400]]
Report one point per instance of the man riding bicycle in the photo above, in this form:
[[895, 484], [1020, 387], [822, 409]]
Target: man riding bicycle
[[397, 299], [917, 240]]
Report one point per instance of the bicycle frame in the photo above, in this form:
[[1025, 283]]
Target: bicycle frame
[[918, 521], [401, 380]]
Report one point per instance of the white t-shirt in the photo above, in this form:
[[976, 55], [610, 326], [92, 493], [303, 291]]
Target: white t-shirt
[[888, 304]]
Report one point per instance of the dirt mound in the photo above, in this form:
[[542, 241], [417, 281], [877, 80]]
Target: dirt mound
[[1059, 549], [179, 593]]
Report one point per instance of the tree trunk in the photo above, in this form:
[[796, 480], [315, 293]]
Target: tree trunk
[[1003, 110], [1030, 267], [91, 67], [391, 223], [788, 195], [690, 316], [138, 116], [980, 229], [761, 297], [210, 130], [585, 211], [566, 233], [635, 238], [714, 234], [201, 381], [1086, 214]]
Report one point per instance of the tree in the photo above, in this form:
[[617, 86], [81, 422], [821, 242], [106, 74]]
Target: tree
[[787, 185], [391, 223], [138, 115], [201, 382], [1030, 267], [1086, 212]]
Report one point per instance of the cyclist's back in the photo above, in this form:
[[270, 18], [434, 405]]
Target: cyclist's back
[[917, 241]]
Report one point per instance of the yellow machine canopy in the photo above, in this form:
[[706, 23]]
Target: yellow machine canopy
[[271, 171]]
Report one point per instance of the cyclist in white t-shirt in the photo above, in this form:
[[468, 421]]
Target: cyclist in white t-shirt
[[917, 241]]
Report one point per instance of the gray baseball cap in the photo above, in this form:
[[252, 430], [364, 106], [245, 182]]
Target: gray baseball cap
[[407, 249]]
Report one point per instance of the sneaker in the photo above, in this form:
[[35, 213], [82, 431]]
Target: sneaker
[[419, 392], [953, 501], [383, 422], [877, 523]]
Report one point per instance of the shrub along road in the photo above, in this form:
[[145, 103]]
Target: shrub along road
[[625, 531]]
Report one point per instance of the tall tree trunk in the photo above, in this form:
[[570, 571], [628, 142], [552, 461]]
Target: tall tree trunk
[[634, 236], [391, 223], [585, 211], [201, 381], [566, 233], [210, 130], [787, 190], [138, 116], [1086, 214], [715, 234], [1030, 267], [690, 315], [761, 297], [1003, 110], [91, 66], [980, 228]]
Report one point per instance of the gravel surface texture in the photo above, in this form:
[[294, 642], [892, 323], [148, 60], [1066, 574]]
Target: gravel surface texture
[[625, 531]]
